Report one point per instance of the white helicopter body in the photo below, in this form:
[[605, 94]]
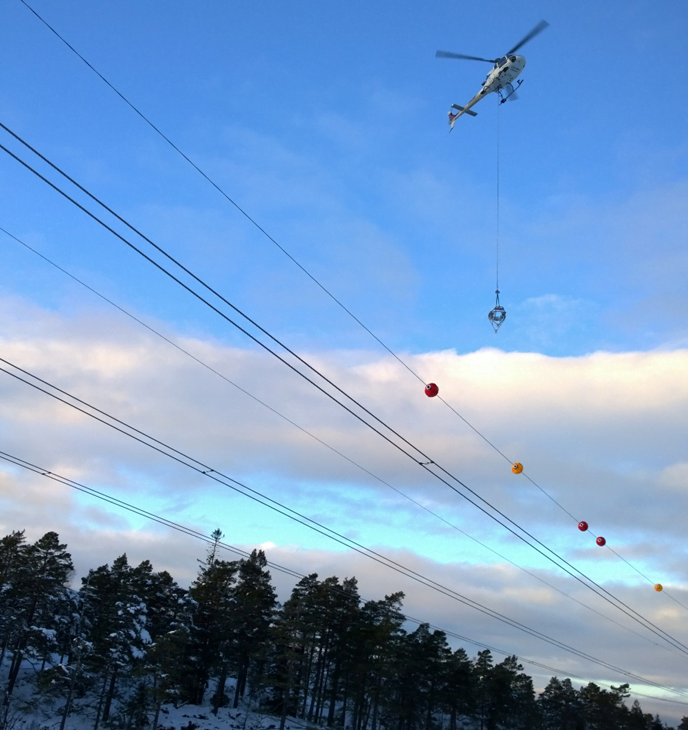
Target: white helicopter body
[[504, 72], [500, 79]]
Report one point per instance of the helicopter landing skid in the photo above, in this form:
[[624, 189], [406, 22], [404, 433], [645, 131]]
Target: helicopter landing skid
[[510, 90]]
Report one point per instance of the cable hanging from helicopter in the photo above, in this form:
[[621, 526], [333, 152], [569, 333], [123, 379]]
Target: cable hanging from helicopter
[[498, 314], [500, 79]]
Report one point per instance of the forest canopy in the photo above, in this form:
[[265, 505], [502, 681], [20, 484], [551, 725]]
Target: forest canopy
[[130, 640]]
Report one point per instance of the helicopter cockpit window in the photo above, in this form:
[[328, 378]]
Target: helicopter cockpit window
[[502, 61]]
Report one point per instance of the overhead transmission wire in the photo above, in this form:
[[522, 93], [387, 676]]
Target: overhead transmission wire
[[328, 446], [497, 245], [191, 532], [444, 481], [325, 444], [326, 291], [497, 252], [297, 263], [201, 468], [277, 506], [613, 604], [598, 589], [29, 466], [262, 230], [229, 199]]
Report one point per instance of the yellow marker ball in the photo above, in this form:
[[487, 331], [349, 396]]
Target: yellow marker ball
[[658, 586], [517, 468]]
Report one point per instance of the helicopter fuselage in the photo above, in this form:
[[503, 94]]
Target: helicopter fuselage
[[505, 70]]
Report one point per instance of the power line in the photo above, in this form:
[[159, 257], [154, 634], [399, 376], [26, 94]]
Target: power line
[[252, 220], [331, 448], [297, 263], [17, 461], [262, 230], [315, 525], [567, 567], [221, 191]]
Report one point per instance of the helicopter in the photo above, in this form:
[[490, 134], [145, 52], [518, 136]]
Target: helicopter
[[500, 78]]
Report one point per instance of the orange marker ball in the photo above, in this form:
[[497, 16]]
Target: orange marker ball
[[517, 468]]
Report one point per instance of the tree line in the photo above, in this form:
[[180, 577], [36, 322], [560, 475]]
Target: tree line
[[130, 639]]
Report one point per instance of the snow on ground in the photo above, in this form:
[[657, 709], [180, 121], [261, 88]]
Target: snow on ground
[[28, 712]]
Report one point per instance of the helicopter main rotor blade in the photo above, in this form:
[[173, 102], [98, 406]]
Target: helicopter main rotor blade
[[537, 29], [449, 54]]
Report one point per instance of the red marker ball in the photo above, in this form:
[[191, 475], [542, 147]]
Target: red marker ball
[[431, 390], [583, 526], [601, 541]]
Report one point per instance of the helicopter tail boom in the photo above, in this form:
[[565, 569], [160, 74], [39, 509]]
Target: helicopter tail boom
[[461, 110], [464, 110]]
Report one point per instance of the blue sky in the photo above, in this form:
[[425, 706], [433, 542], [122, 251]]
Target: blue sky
[[327, 124]]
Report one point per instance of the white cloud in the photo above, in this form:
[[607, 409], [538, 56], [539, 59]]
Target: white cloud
[[675, 477], [586, 428], [601, 433]]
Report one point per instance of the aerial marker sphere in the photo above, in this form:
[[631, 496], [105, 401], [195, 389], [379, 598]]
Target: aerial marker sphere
[[582, 525], [601, 541], [658, 586], [517, 468], [431, 390]]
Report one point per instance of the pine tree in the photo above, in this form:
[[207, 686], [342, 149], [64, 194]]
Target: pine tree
[[299, 647], [525, 713], [40, 577], [254, 602], [312, 658], [12, 556], [482, 669], [341, 608], [283, 663], [458, 695], [559, 706], [116, 618], [378, 635], [211, 643], [323, 657], [656, 724], [169, 621], [424, 657], [636, 719], [601, 708]]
